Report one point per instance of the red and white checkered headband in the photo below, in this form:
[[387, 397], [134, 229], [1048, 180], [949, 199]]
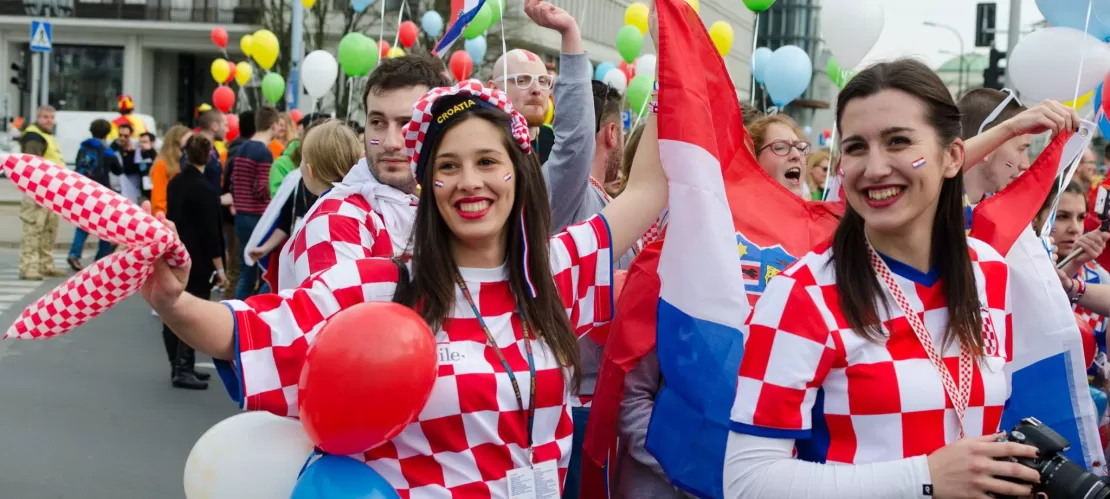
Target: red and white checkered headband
[[424, 115], [105, 214]]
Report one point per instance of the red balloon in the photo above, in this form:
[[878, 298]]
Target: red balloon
[[231, 72], [629, 70], [232, 127], [367, 376], [1088, 335], [219, 37], [296, 114], [383, 49], [1105, 94], [828, 133], [406, 35], [461, 65], [223, 98]]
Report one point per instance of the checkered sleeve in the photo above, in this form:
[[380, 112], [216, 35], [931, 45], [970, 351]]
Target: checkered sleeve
[[273, 332], [787, 354], [338, 230], [582, 265]]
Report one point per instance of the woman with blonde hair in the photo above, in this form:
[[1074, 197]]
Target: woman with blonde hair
[[781, 149], [167, 166], [817, 165]]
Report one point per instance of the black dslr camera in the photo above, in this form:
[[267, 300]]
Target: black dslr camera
[[1060, 478]]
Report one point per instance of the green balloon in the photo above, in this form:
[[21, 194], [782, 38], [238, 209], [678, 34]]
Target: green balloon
[[629, 43], [480, 23], [497, 9], [639, 90], [832, 68], [273, 87], [357, 54], [758, 5]]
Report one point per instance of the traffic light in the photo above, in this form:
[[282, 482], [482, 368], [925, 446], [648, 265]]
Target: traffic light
[[20, 78], [995, 74], [984, 24]]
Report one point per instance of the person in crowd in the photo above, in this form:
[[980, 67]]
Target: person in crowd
[[291, 158], [246, 131], [608, 151], [781, 149], [372, 212], [125, 146], [630, 146], [533, 99], [126, 107], [1003, 164], [482, 204], [283, 132], [194, 208], [817, 164], [145, 161], [326, 156], [96, 161], [167, 165], [750, 113], [212, 124], [250, 189], [900, 252], [1087, 174], [39, 225]]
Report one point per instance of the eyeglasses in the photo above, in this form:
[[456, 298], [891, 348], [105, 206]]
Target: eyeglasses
[[782, 147], [525, 80]]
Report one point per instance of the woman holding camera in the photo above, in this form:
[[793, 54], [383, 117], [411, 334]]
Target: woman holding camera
[[890, 360]]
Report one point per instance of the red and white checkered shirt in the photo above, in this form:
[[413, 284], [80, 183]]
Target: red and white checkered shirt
[[338, 229], [882, 400], [471, 432], [1093, 273]]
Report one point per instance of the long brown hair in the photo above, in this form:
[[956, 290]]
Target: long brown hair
[[433, 268], [171, 149], [856, 282]]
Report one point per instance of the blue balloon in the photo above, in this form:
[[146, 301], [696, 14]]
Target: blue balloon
[[603, 69], [361, 5], [1073, 14], [340, 477], [476, 47], [1100, 401], [760, 58], [1103, 123], [432, 24], [788, 74]]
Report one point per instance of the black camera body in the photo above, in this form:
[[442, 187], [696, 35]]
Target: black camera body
[[1060, 477]]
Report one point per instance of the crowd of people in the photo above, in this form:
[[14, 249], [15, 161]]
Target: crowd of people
[[504, 235]]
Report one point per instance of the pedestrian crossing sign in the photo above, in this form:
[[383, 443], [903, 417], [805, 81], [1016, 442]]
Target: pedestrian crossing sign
[[42, 36]]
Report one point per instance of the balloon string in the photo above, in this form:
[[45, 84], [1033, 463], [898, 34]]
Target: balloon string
[[350, 95], [315, 452], [505, 50], [400, 15], [381, 29], [1079, 75]]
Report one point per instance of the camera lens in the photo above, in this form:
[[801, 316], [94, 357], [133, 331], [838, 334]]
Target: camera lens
[[1063, 479]]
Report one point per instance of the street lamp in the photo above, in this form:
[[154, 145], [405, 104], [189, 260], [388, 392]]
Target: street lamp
[[962, 53]]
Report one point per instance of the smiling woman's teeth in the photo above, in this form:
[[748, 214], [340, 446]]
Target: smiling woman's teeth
[[473, 207], [881, 194]]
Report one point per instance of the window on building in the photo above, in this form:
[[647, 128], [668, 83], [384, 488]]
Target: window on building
[[83, 77]]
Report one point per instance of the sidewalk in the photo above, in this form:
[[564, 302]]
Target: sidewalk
[[10, 226]]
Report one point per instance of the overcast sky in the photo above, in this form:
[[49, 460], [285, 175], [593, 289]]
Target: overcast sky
[[905, 35]]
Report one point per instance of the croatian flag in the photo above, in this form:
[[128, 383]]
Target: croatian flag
[[1048, 371], [732, 228], [462, 12]]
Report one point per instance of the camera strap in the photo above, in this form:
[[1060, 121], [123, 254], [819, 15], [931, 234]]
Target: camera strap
[[958, 395]]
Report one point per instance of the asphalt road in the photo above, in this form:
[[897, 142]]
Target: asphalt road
[[92, 415]]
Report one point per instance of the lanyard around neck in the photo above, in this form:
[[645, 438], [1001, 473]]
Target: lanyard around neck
[[530, 411], [960, 395]]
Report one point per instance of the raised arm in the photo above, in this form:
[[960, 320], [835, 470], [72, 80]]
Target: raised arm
[[1048, 116], [644, 196]]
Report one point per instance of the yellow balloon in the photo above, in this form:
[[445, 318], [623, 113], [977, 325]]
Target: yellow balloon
[[1081, 101], [264, 48], [721, 33], [396, 52], [550, 118], [308, 3], [694, 4], [245, 44], [220, 71], [243, 72], [637, 15]]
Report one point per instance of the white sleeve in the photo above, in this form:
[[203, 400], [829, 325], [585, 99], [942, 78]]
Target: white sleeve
[[758, 467]]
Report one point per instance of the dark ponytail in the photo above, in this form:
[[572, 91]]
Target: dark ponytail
[[856, 282]]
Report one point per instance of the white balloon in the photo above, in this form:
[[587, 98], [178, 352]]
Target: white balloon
[[645, 65], [617, 79], [318, 72], [253, 454], [1045, 64], [851, 28]]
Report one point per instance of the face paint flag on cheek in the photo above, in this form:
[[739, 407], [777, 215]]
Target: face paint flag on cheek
[[508, 177], [110, 217], [919, 163], [375, 142], [1009, 164], [438, 183]]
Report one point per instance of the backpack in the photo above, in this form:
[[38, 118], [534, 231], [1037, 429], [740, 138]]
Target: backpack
[[88, 162]]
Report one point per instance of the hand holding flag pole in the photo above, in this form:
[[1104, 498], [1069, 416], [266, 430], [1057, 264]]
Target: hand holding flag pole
[[110, 217]]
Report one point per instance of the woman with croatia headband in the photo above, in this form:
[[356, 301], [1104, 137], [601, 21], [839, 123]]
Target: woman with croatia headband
[[507, 302], [883, 351]]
